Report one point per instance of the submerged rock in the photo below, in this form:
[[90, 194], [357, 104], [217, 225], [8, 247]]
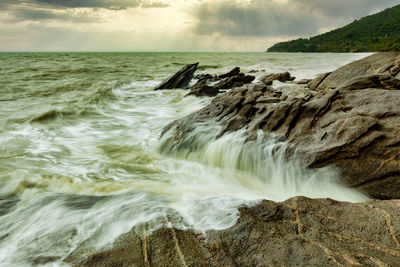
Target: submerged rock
[[297, 232], [181, 79], [354, 128]]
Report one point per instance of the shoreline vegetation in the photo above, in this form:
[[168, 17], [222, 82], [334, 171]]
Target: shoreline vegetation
[[347, 119], [375, 33]]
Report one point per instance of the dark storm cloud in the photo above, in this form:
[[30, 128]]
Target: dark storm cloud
[[42, 15], [272, 18], [107, 4], [42, 10]]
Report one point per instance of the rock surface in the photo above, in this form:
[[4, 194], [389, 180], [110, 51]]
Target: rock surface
[[297, 232], [181, 79], [355, 128], [303, 81], [230, 80], [380, 63], [282, 77]]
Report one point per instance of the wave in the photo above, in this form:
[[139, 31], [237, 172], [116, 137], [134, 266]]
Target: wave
[[210, 66], [51, 115], [266, 162]]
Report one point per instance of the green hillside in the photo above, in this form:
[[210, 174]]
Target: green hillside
[[379, 32]]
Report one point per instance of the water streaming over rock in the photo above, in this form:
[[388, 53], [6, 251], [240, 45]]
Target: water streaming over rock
[[81, 161]]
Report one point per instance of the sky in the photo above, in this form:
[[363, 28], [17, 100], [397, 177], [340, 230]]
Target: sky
[[171, 25]]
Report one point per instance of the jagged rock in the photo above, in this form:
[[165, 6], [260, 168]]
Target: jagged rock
[[204, 90], [234, 72], [282, 77], [232, 82], [395, 68], [204, 76], [297, 232], [179, 80], [380, 63], [313, 84], [357, 130], [384, 81]]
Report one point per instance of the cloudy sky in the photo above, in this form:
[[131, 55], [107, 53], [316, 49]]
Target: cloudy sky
[[170, 25]]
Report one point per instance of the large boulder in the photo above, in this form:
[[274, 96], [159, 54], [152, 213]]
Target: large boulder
[[380, 63], [297, 232], [179, 80], [355, 128]]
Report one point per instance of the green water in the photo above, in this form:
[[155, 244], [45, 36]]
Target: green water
[[79, 151]]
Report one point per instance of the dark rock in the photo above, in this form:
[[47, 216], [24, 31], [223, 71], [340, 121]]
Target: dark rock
[[355, 129], [205, 91], [204, 88], [297, 232], [204, 76], [179, 80], [282, 77], [258, 87], [253, 71], [265, 80], [229, 83], [231, 73]]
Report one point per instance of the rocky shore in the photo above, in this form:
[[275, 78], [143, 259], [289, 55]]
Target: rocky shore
[[348, 119]]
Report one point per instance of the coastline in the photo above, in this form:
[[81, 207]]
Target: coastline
[[347, 118]]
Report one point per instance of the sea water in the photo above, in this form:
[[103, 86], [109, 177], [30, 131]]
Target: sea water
[[82, 161]]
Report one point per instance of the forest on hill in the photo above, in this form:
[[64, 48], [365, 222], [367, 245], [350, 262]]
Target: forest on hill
[[378, 32]]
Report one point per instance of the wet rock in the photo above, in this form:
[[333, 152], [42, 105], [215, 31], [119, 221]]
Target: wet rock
[[179, 80], [232, 82], [303, 81], [297, 232], [205, 76], [204, 90], [282, 77], [203, 87], [234, 72], [354, 128]]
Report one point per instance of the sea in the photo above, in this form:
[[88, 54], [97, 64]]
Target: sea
[[81, 160]]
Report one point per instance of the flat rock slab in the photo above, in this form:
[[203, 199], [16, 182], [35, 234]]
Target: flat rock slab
[[297, 232]]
